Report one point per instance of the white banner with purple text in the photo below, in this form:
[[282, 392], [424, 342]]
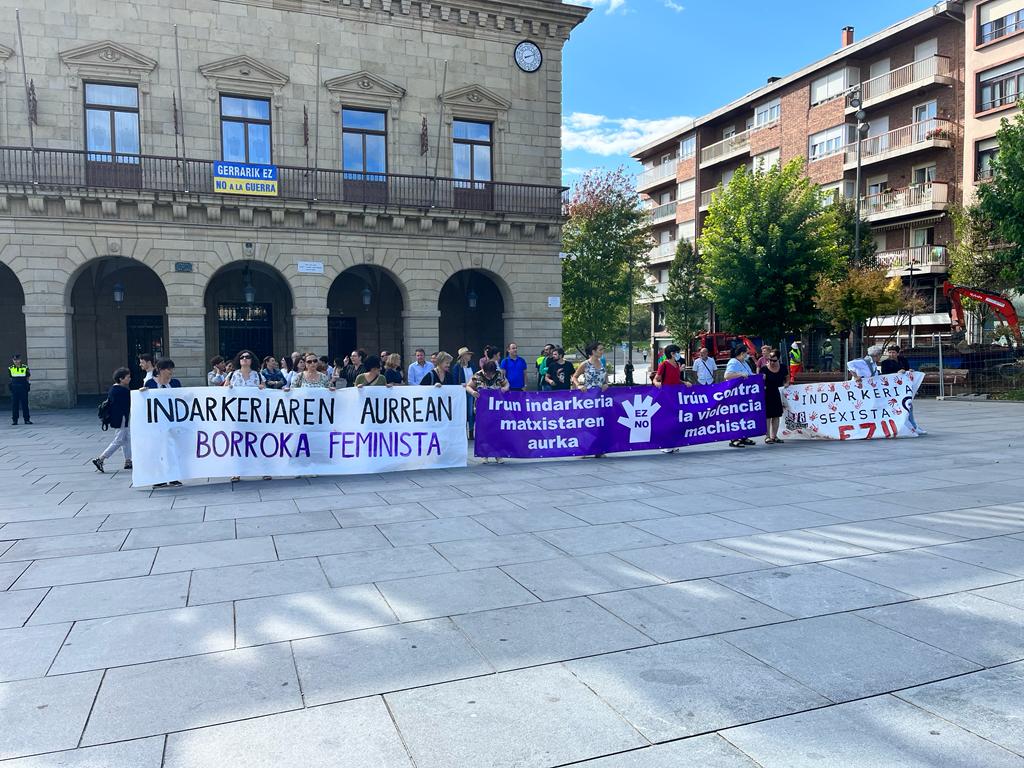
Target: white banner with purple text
[[880, 407], [205, 432]]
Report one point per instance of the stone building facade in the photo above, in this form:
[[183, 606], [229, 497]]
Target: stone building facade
[[418, 200]]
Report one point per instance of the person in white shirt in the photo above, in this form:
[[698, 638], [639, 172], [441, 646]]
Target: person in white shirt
[[420, 368], [867, 366], [704, 367], [738, 368], [147, 366]]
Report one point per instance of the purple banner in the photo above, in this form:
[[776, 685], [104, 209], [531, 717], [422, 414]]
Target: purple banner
[[531, 425]]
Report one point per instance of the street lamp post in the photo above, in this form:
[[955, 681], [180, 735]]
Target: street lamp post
[[629, 333], [862, 130]]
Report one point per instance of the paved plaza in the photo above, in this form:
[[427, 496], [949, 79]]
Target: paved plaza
[[810, 604]]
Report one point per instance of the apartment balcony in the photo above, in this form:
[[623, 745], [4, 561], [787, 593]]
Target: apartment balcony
[[916, 137], [47, 172], [935, 70], [734, 146], [664, 212], [659, 174], [659, 292], [896, 203], [706, 197], [663, 252], [922, 259]]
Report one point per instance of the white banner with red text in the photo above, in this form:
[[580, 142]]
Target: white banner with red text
[[209, 432], [879, 407]]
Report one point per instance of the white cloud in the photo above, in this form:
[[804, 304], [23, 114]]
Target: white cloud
[[607, 136], [610, 6], [573, 171], [674, 6]]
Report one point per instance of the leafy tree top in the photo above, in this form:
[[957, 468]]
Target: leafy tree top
[[1001, 201]]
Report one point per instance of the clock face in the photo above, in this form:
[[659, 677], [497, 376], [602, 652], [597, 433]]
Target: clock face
[[528, 56]]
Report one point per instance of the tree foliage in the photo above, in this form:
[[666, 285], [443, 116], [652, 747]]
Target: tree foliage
[[607, 237], [766, 244], [845, 213], [1001, 202], [686, 307], [848, 301], [972, 257]]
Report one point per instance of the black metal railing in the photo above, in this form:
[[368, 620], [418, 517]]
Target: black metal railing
[[72, 169]]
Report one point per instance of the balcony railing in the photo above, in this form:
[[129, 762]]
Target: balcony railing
[[905, 76], [658, 173], [896, 202], [922, 134], [76, 170], [706, 197], [923, 257], [664, 211], [663, 252], [738, 142]]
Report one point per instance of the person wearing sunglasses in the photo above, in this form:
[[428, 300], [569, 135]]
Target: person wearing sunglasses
[[775, 376], [313, 377], [244, 374]]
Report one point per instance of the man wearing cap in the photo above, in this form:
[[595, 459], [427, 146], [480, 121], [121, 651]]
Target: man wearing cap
[[796, 361], [20, 386], [462, 373]]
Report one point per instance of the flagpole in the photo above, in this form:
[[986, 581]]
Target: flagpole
[[316, 129], [28, 104], [440, 128], [181, 101]]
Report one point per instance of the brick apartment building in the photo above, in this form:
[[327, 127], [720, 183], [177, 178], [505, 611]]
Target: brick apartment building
[[933, 88]]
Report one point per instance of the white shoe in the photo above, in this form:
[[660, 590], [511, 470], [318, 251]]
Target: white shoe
[[922, 431]]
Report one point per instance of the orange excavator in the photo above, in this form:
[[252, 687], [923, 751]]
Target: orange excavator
[[1001, 305]]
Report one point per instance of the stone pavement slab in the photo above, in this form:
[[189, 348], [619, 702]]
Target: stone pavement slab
[[810, 590], [59, 527], [356, 734], [574, 576], [27, 652], [885, 535], [920, 573], [782, 517], [531, 718], [16, 606], [696, 560], [332, 542], [680, 530], [383, 565], [517, 520], [497, 550], [529, 635], [212, 554], [845, 657], [308, 614], [140, 753], [881, 732], [1000, 553], [687, 609], [591, 540], [448, 594], [970, 523], [238, 582], [151, 518], [711, 751], [373, 661], [144, 637], [82, 568], [680, 689], [1010, 594], [181, 533], [983, 631], [65, 546], [986, 703], [604, 512], [45, 714], [164, 696], [112, 598], [432, 531], [9, 572], [793, 547]]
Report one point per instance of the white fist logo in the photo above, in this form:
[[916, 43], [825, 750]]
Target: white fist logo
[[639, 417]]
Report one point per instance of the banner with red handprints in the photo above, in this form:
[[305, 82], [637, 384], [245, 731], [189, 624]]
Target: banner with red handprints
[[880, 407]]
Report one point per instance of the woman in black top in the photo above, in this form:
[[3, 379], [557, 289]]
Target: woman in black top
[[120, 399], [775, 376], [441, 373]]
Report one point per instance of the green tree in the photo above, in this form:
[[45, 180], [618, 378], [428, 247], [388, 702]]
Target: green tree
[[606, 238], [1001, 202], [845, 213], [686, 307], [766, 244], [971, 253], [850, 300]]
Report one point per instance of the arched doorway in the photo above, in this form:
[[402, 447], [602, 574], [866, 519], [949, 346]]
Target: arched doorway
[[248, 306], [472, 309], [119, 312], [365, 306], [12, 316]]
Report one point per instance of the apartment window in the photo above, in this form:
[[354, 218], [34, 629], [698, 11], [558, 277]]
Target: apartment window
[[922, 236], [766, 160], [985, 152], [663, 276], [688, 230], [924, 174], [926, 49], [112, 123], [999, 19], [729, 132], [363, 142], [471, 148], [828, 142], [245, 130], [688, 147], [924, 120], [767, 113], [665, 237], [828, 86], [1000, 86], [876, 185], [836, 191], [687, 189]]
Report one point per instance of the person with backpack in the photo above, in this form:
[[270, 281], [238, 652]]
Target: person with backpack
[[115, 412]]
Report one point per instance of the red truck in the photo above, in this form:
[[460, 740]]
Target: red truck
[[721, 345]]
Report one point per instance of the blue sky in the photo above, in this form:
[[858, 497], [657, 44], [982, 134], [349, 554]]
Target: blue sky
[[636, 68]]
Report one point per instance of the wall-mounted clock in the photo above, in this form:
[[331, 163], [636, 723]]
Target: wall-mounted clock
[[528, 56]]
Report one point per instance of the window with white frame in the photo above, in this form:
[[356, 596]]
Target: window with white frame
[[767, 113], [924, 174], [687, 147], [836, 191], [663, 276], [767, 160], [688, 230], [876, 185], [986, 151], [687, 189], [828, 87], [828, 142]]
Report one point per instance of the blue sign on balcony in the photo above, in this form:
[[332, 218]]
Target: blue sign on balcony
[[244, 179]]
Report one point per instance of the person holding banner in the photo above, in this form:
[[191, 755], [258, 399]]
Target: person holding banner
[[489, 377], [311, 377], [591, 374], [393, 369], [738, 368], [164, 377], [371, 377], [867, 366], [775, 376], [670, 371], [441, 373], [244, 374]]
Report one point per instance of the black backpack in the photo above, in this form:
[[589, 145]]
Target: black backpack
[[103, 414]]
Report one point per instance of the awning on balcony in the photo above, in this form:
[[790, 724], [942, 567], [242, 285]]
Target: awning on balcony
[[907, 225], [928, 318]]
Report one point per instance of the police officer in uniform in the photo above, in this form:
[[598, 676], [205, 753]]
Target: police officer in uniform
[[19, 389]]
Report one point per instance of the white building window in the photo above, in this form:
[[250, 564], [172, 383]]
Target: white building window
[[766, 160], [687, 189], [828, 142], [833, 84], [688, 230], [767, 113], [687, 147], [836, 191]]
